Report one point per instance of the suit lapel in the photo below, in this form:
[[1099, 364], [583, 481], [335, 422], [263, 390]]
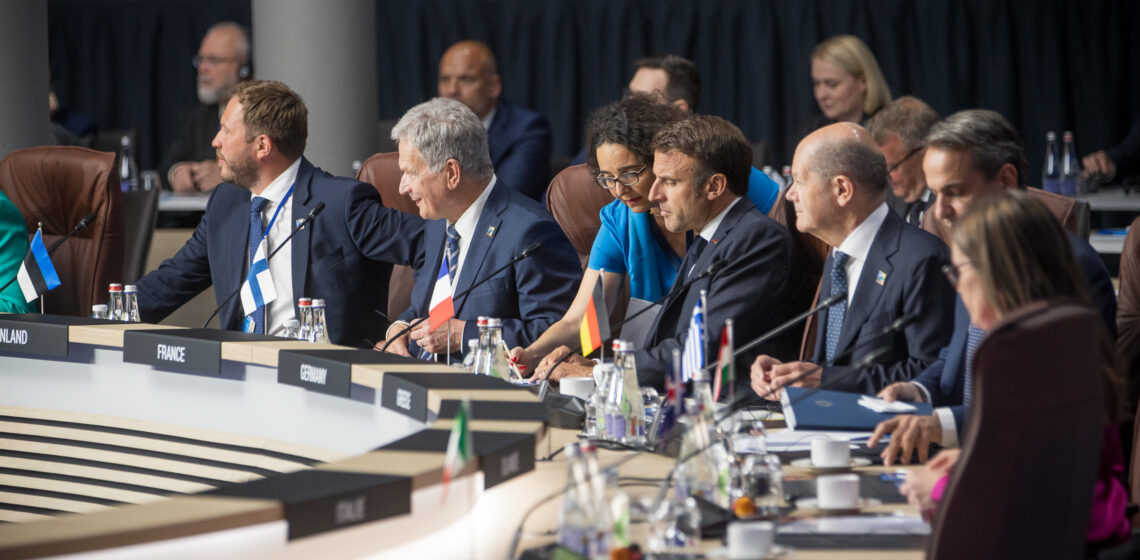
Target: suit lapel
[[302, 201], [433, 254], [870, 289], [486, 231], [821, 321], [235, 256]]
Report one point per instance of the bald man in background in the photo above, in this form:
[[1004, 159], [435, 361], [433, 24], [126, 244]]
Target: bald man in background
[[519, 139]]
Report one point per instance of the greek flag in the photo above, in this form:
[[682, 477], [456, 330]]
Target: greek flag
[[258, 290], [693, 358]]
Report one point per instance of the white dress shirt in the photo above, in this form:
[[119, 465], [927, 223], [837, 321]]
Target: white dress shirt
[[858, 244], [281, 265]]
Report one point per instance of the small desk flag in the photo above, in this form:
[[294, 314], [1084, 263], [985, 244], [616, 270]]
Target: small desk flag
[[37, 275]]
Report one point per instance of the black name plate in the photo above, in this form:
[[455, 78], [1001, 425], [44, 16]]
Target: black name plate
[[317, 373], [172, 349], [33, 337], [508, 461], [404, 396]]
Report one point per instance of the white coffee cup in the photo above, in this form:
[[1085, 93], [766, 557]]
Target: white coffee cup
[[750, 539], [580, 387], [837, 491], [827, 452]]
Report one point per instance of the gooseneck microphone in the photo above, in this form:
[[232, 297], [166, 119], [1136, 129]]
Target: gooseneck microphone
[[300, 226], [528, 252], [715, 267], [84, 222]]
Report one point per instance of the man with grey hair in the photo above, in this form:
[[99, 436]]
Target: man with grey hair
[[475, 227], [899, 130], [887, 269], [222, 61]]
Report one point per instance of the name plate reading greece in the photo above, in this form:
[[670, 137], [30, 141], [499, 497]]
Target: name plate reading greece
[[406, 397], [187, 350]]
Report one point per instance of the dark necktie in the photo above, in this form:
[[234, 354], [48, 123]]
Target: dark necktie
[[836, 313], [914, 213], [693, 254], [452, 248], [256, 205], [974, 337]]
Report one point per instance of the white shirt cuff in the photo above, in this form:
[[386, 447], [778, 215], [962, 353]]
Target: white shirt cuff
[[401, 324], [922, 389], [949, 428]]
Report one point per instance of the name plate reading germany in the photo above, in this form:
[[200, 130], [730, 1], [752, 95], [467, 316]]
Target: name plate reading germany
[[33, 337], [404, 396], [172, 349], [316, 373]]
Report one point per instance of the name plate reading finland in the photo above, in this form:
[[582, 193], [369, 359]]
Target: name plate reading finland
[[406, 397], [33, 337], [316, 373], [172, 349]]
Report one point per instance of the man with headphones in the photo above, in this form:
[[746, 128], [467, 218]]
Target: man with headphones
[[190, 164]]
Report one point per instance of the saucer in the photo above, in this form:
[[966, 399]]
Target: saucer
[[777, 551], [854, 463], [812, 503]]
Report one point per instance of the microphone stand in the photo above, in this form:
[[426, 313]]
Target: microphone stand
[[525, 253], [304, 223], [86, 221]]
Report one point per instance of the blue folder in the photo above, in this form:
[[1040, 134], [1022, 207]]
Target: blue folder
[[833, 410]]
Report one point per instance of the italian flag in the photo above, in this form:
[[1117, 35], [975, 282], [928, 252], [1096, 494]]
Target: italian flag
[[726, 368], [595, 326], [458, 444]]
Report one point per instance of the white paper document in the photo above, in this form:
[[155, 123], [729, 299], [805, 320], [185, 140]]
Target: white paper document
[[881, 406]]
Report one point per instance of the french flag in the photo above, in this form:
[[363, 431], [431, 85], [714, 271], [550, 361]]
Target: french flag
[[441, 308]]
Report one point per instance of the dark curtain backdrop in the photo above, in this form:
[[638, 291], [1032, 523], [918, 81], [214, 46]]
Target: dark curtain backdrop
[[1044, 64]]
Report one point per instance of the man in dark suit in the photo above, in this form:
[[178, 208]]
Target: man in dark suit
[[478, 224], [888, 269], [702, 165], [269, 187], [970, 155], [899, 129], [519, 139]]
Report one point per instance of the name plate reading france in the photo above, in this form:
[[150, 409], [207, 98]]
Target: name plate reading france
[[168, 349], [404, 396], [27, 337], [318, 374]]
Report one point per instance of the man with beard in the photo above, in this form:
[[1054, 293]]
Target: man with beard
[[269, 187]]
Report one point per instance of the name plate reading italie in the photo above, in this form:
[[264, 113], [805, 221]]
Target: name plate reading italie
[[172, 349], [33, 337], [315, 373], [404, 396]]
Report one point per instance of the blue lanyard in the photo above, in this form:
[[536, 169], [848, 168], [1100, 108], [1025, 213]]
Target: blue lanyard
[[278, 210]]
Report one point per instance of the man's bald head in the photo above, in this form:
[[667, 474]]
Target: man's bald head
[[468, 74], [846, 149]]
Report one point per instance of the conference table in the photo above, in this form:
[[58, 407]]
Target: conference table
[[137, 441]]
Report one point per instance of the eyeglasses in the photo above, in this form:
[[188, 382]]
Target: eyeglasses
[[629, 179], [198, 60], [952, 272], [898, 163]]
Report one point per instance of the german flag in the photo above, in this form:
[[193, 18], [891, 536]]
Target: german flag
[[595, 327]]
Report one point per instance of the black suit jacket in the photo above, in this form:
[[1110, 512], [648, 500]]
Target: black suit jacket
[[327, 262], [754, 287], [902, 276], [199, 127], [519, 142]]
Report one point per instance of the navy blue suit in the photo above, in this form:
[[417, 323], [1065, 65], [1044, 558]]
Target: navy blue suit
[[326, 261], [528, 296], [519, 142], [755, 287], [902, 276], [944, 380]]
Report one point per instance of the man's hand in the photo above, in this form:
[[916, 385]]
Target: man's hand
[[761, 372], [181, 178], [901, 391], [398, 346], [437, 341], [207, 175], [908, 434], [793, 374], [573, 366], [1098, 163]]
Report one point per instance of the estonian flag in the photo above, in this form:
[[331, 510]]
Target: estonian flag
[[258, 290], [441, 308], [595, 327], [37, 275]]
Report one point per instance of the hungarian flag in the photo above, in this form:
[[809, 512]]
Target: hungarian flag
[[595, 327], [37, 275], [726, 370], [441, 307], [458, 444]]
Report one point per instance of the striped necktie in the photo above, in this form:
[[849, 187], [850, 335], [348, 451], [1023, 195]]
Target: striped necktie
[[836, 313]]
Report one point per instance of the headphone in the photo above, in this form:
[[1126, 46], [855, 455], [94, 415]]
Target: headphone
[[245, 71]]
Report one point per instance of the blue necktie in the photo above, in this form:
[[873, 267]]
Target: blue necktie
[[256, 205], [699, 243], [974, 337], [836, 313], [452, 248]]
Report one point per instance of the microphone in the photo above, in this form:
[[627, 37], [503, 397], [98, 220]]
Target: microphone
[[713, 268], [300, 226], [834, 299], [84, 222], [527, 252]]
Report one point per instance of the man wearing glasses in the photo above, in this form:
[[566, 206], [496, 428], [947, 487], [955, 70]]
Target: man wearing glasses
[[190, 165], [899, 130], [970, 155]]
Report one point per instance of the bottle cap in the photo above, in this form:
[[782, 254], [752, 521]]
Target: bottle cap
[[130, 288], [622, 346], [99, 307], [125, 140], [1068, 136], [304, 302], [493, 322], [1050, 135], [116, 287], [472, 343], [481, 321], [318, 303]]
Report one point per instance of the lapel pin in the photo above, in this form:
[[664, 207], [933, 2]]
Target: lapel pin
[[491, 231], [881, 278]]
